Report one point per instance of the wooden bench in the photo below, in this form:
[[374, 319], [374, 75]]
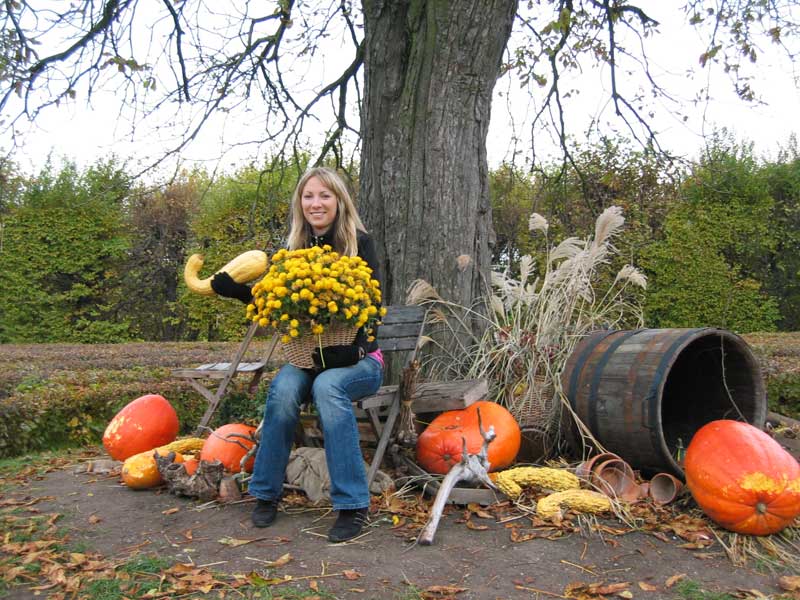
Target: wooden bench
[[401, 331]]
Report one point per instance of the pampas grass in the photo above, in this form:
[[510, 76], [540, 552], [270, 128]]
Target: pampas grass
[[528, 327]]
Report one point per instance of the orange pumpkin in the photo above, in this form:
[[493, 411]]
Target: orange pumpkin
[[439, 446], [190, 464], [144, 424], [227, 445], [742, 478]]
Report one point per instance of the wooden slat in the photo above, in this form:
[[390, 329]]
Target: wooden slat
[[399, 330], [403, 314], [433, 396]]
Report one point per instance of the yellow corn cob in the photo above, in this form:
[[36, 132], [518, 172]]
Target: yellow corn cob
[[587, 501], [511, 481]]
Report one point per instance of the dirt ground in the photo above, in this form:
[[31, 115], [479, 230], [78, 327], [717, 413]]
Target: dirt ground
[[489, 555]]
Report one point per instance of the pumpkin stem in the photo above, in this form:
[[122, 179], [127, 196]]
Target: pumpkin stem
[[761, 508]]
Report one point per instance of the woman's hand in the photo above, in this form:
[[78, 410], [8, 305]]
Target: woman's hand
[[334, 357], [224, 285]]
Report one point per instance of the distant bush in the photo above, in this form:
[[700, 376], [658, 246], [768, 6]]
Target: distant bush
[[55, 396]]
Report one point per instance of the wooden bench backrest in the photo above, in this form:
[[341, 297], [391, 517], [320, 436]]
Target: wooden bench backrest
[[401, 328]]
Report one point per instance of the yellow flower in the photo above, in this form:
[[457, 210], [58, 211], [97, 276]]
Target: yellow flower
[[263, 322], [294, 324], [317, 329], [285, 339], [294, 333]]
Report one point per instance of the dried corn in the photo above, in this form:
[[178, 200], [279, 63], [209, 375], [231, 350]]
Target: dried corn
[[511, 481], [587, 501]]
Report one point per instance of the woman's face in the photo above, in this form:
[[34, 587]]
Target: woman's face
[[319, 205]]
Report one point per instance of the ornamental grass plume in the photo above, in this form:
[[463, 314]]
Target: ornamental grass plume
[[308, 290], [530, 325]]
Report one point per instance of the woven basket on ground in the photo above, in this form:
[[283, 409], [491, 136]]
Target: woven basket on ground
[[298, 350], [535, 408]]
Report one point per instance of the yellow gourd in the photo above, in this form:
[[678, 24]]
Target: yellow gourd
[[585, 501], [140, 471], [245, 267], [511, 481]]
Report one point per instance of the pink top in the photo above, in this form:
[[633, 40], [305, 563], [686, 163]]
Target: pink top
[[377, 355]]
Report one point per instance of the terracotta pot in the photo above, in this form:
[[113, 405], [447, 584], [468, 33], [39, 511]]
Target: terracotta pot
[[664, 488], [615, 478], [584, 470]]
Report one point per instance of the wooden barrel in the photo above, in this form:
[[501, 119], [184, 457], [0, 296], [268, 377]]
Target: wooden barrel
[[644, 393]]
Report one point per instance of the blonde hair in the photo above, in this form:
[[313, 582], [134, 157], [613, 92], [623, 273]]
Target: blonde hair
[[346, 224]]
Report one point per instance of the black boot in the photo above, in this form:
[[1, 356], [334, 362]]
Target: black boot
[[264, 513], [348, 524]]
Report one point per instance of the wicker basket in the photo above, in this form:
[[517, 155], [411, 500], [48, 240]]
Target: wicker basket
[[298, 350]]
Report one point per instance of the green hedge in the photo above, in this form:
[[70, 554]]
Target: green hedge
[[73, 409]]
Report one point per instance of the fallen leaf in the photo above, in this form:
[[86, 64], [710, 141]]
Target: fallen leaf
[[313, 585], [647, 587], [471, 525], [675, 579], [790, 583], [170, 511], [627, 594], [444, 590], [279, 562], [351, 574], [94, 519]]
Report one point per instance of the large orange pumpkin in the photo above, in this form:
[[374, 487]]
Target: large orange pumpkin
[[227, 446], [143, 424], [439, 446], [742, 478]]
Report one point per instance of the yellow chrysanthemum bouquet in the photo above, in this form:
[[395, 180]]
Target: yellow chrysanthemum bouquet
[[315, 297]]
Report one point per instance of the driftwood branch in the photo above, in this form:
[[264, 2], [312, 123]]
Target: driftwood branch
[[473, 468], [204, 484]]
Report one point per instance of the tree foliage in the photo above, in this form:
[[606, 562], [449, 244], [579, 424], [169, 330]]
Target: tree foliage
[[711, 266], [64, 245]]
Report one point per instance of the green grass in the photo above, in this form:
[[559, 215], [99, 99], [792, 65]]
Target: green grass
[[283, 593], [103, 589], [146, 564], [691, 590]]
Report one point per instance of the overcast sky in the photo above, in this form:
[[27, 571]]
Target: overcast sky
[[85, 134]]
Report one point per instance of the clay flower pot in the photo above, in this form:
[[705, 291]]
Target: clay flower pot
[[584, 470], [664, 488], [615, 478]]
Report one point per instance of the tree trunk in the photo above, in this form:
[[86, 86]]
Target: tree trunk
[[430, 68]]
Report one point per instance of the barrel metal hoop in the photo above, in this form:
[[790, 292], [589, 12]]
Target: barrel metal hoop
[[579, 363], [601, 365]]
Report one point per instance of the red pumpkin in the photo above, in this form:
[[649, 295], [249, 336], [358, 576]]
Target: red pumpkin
[[143, 424], [227, 445], [439, 446], [742, 478]]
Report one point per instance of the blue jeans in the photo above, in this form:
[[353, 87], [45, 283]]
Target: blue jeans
[[333, 392]]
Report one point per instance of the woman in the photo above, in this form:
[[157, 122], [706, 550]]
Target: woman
[[322, 213]]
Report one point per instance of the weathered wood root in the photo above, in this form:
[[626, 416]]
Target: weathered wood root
[[204, 484], [473, 468]]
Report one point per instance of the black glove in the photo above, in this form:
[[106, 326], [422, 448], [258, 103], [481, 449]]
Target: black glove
[[224, 285], [334, 357]]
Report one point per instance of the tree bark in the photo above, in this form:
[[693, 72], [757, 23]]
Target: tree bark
[[429, 70]]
